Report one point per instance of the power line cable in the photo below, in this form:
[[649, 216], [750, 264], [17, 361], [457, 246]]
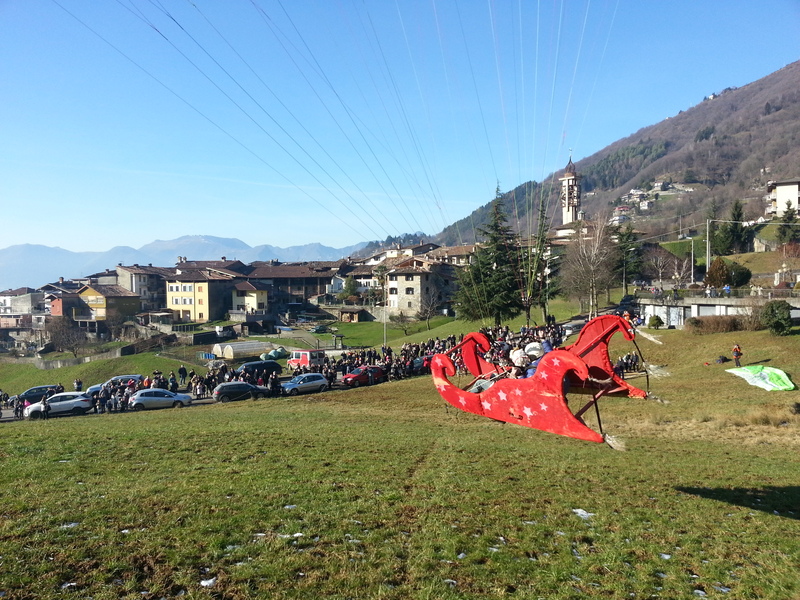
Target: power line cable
[[203, 115]]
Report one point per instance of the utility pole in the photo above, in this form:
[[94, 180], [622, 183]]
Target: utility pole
[[708, 245]]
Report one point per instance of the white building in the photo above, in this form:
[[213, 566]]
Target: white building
[[782, 193]]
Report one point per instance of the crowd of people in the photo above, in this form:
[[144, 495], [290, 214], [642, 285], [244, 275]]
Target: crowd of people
[[520, 351], [202, 385], [409, 360], [116, 396]]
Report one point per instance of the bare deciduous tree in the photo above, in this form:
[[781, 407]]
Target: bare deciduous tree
[[401, 321], [683, 271], [428, 308], [589, 263], [657, 263], [65, 335]]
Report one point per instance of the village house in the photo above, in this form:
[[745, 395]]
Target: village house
[[63, 304], [399, 252], [21, 315], [292, 285], [367, 282], [460, 256], [103, 303], [250, 298], [781, 194], [199, 295], [417, 284], [148, 282]]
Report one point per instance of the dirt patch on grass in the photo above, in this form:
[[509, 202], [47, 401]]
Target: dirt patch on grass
[[750, 430]]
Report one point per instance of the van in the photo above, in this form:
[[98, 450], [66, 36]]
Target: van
[[265, 368], [306, 358]]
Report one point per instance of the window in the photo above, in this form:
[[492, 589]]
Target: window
[[199, 300], [199, 315], [199, 288], [187, 300], [392, 277], [241, 293], [174, 287], [409, 305], [409, 291], [187, 287], [176, 300], [409, 278], [392, 290]]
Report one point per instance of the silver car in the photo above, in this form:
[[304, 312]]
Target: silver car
[[158, 398], [65, 403], [309, 382]]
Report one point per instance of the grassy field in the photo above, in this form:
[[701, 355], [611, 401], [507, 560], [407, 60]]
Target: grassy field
[[766, 262], [383, 493]]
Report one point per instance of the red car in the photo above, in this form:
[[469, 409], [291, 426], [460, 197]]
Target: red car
[[366, 375]]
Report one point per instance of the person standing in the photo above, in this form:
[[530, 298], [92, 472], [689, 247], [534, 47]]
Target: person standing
[[737, 354], [182, 375]]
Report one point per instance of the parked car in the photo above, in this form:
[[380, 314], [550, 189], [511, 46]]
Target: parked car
[[158, 398], [570, 329], [238, 390], [34, 394], [365, 376], [123, 379], [319, 329], [265, 367], [63, 404], [309, 382], [421, 365]]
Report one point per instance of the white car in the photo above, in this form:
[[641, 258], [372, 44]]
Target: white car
[[158, 398], [63, 404]]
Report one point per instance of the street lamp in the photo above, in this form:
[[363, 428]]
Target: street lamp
[[624, 270]]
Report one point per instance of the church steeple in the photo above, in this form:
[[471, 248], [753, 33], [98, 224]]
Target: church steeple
[[570, 193]]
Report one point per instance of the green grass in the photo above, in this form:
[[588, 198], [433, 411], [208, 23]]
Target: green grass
[[16, 378], [765, 262], [382, 493]]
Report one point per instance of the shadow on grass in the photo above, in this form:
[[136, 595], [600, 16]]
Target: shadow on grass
[[781, 500], [759, 362]]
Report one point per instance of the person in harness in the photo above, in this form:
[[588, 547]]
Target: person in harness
[[737, 354]]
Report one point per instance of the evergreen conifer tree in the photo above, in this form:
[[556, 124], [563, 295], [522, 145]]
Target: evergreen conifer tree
[[489, 288], [787, 230]]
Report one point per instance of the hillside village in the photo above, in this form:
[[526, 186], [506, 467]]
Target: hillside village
[[416, 281], [261, 295]]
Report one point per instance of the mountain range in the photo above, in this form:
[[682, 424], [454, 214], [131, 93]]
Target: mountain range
[[34, 265]]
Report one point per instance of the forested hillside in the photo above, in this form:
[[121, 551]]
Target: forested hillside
[[723, 149]]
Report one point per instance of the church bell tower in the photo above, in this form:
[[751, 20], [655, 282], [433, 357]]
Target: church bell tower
[[570, 194]]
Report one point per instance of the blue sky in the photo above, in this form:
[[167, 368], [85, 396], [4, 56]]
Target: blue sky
[[335, 121]]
